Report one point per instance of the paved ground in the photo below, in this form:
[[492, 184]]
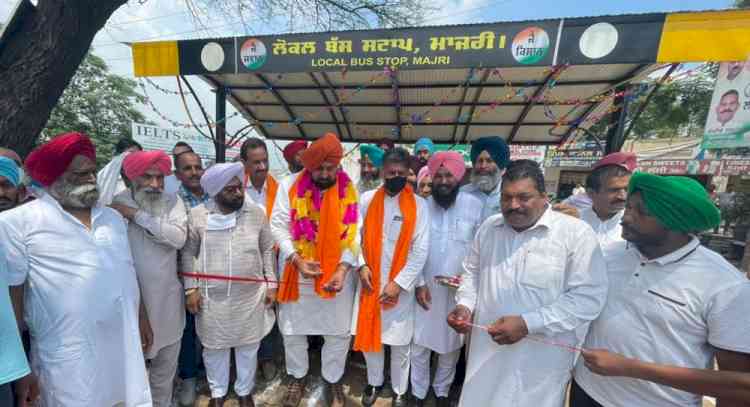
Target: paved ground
[[270, 393]]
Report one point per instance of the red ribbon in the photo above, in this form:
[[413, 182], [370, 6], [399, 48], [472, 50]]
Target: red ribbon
[[239, 279]]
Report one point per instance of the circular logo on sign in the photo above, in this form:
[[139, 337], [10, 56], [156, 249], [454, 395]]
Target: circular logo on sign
[[530, 45], [253, 54], [598, 40], [212, 56]]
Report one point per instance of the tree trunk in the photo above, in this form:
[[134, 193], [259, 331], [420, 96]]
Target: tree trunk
[[39, 58], [745, 266]]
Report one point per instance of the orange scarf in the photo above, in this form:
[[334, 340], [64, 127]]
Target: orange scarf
[[328, 244], [271, 187], [369, 328]]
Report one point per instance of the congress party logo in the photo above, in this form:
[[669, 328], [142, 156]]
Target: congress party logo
[[253, 54], [530, 45]]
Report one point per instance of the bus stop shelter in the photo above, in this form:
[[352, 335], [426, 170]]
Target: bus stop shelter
[[531, 82]]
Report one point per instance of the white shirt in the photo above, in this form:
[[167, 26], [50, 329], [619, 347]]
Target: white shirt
[[579, 201], [552, 275], [490, 202], [154, 242], [451, 232], [171, 184], [258, 197], [672, 310], [310, 315], [81, 304], [397, 323], [607, 231]]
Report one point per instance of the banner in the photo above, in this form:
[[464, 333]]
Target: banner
[[583, 155], [728, 122], [681, 167], [162, 138]]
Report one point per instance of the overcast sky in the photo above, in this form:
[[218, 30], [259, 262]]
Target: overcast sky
[[171, 19]]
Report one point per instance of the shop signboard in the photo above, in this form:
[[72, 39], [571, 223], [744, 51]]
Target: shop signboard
[[162, 138]]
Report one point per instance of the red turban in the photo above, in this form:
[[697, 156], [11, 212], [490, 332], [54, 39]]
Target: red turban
[[451, 160], [138, 162], [50, 160], [621, 159], [293, 148], [325, 149]]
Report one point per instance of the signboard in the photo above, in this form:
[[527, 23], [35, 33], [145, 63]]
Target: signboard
[[528, 152], [161, 138], [735, 167], [681, 167], [582, 155], [728, 122], [611, 39]]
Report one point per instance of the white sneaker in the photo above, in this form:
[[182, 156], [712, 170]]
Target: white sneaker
[[187, 392]]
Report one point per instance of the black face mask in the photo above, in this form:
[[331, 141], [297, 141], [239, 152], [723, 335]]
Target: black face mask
[[395, 185]]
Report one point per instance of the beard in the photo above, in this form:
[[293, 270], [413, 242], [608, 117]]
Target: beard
[[486, 182], [231, 204], [150, 200], [443, 196], [6, 203], [75, 196], [324, 183]]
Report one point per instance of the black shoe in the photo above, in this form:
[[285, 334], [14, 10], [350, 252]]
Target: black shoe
[[400, 400], [442, 402], [417, 402], [370, 395]]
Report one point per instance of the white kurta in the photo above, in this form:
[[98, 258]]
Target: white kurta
[[397, 323], [553, 276], [451, 234], [608, 231], [154, 242], [674, 310], [311, 314], [490, 202], [81, 304]]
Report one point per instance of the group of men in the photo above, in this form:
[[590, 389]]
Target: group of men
[[103, 287]]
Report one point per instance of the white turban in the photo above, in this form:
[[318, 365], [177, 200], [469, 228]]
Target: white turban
[[218, 176]]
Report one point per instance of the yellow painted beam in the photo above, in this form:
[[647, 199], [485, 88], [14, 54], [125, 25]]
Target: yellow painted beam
[[159, 58], [714, 36]]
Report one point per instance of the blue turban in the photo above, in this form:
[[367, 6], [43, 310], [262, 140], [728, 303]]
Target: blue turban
[[374, 153], [496, 147], [9, 170], [424, 144]]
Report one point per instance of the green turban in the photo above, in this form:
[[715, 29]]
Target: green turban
[[681, 204], [375, 154]]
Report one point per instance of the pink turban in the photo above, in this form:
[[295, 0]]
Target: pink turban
[[138, 162], [50, 160], [424, 172], [451, 160], [620, 159]]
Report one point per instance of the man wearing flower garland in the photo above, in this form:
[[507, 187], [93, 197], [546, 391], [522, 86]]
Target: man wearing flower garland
[[314, 222], [395, 239]]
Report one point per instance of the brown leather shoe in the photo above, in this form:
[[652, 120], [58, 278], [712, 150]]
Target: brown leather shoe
[[216, 402], [247, 401], [336, 395], [295, 390]]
